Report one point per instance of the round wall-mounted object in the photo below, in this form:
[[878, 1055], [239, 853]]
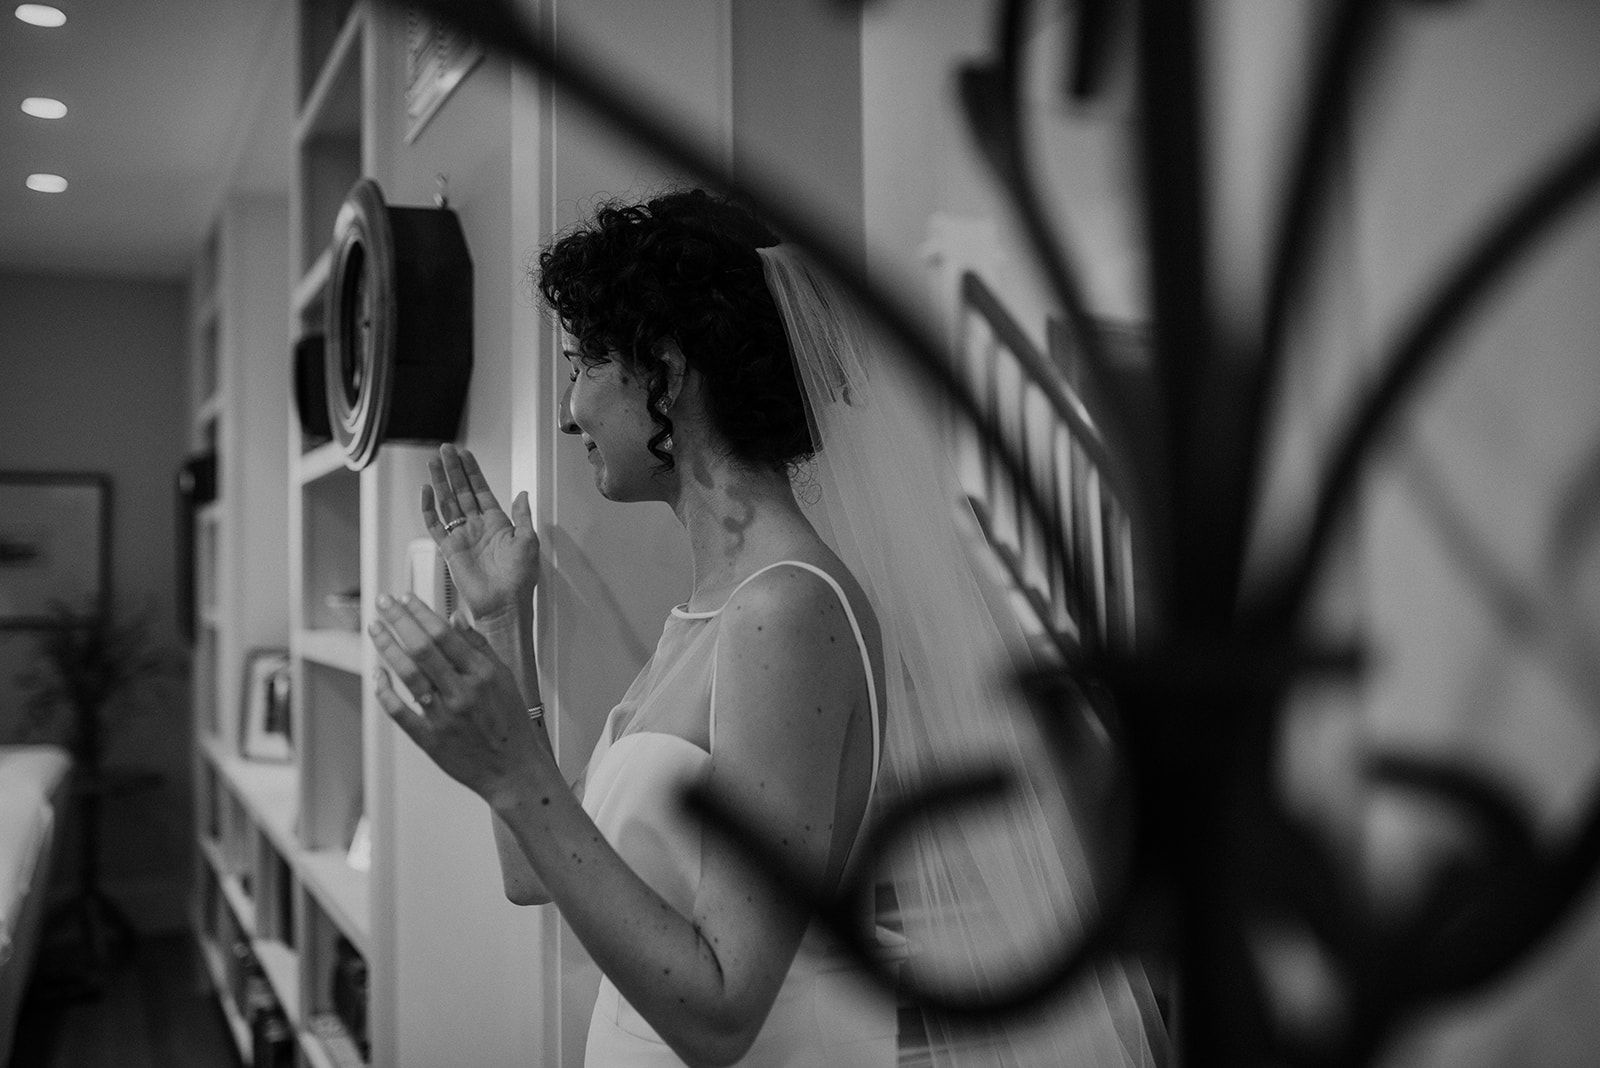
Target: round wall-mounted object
[[311, 388], [397, 353]]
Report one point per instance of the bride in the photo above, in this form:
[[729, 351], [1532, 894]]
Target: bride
[[799, 682]]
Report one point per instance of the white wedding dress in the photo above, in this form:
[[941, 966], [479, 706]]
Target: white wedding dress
[[826, 1014]]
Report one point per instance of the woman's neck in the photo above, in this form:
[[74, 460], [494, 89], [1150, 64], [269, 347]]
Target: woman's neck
[[736, 516]]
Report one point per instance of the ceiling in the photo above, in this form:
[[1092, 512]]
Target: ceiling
[[171, 104]]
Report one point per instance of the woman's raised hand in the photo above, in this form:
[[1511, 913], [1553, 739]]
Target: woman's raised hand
[[493, 557], [472, 722]]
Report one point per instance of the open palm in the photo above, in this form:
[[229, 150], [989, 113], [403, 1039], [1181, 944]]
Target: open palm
[[493, 557]]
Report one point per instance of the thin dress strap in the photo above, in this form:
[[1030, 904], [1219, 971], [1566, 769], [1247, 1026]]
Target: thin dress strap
[[861, 644]]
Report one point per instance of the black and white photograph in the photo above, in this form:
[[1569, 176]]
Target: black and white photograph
[[800, 533]]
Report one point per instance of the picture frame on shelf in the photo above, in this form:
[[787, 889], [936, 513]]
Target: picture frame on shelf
[[264, 732], [55, 545]]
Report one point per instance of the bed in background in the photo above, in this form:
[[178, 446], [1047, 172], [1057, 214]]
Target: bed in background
[[33, 799]]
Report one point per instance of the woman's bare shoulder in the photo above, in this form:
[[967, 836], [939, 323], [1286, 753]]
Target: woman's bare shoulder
[[784, 580]]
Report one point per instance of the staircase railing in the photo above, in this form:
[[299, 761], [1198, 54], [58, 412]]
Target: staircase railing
[[1077, 588]]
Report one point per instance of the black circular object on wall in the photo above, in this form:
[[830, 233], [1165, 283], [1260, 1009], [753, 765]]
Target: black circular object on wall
[[311, 388], [398, 314]]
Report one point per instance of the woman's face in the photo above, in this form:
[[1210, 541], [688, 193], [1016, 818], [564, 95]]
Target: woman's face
[[607, 406]]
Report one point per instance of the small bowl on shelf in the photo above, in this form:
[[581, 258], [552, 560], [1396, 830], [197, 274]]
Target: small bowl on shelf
[[345, 609]]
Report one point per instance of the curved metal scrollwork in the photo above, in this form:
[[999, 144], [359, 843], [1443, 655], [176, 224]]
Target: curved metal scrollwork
[[1210, 840]]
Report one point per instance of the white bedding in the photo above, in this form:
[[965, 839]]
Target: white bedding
[[30, 781]]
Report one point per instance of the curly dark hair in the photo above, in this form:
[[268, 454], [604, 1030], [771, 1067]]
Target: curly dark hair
[[684, 267]]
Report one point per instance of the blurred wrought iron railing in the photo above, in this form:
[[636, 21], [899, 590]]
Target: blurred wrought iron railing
[[1202, 693]]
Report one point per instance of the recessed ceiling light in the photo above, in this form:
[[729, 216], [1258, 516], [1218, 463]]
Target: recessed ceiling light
[[47, 183], [42, 107], [41, 14]]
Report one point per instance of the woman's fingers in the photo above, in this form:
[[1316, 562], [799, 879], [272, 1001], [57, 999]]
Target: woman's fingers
[[413, 724], [430, 514], [440, 651], [522, 512], [482, 495], [400, 661], [457, 492], [463, 496]]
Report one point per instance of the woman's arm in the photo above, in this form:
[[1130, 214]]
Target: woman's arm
[[494, 562], [510, 637], [789, 679]]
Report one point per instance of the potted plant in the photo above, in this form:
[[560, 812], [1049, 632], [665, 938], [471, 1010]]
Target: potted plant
[[87, 663]]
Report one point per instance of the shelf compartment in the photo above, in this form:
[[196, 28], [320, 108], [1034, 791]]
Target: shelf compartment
[[211, 952], [329, 167], [311, 291], [334, 974], [330, 722], [282, 967], [342, 892], [340, 649], [324, 461], [331, 531], [230, 887], [209, 801], [209, 713], [207, 533], [327, 1044], [328, 134], [270, 793], [326, 30]]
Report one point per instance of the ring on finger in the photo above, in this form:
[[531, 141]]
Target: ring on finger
[[425, 698], [456, 522]]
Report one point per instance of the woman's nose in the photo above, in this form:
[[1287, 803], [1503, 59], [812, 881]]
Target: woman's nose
[[564, 414]]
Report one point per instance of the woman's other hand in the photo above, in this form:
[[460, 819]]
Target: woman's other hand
[[472, 721], [493, 557]]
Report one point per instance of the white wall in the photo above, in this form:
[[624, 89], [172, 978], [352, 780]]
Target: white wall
[[797, 107], [94, 373]]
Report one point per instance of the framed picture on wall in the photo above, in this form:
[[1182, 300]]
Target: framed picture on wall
[[55, 545], [438, 57], [264, 732]]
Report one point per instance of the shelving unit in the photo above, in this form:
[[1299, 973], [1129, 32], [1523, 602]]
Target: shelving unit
[[335, 895], [402, 951], [245, 816], [276, 893], [393, 952]]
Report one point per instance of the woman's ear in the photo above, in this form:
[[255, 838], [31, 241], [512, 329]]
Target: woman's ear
[[676, 368]]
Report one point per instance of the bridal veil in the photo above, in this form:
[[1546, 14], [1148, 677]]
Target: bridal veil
[[982, 894]]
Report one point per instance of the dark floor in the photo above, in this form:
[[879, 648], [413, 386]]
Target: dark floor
[[154, 1010]]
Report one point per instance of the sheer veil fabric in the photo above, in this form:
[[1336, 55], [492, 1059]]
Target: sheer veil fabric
[[984, 894]]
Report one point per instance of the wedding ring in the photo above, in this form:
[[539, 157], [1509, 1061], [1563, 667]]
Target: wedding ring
[[456, 522], [425, 699]]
